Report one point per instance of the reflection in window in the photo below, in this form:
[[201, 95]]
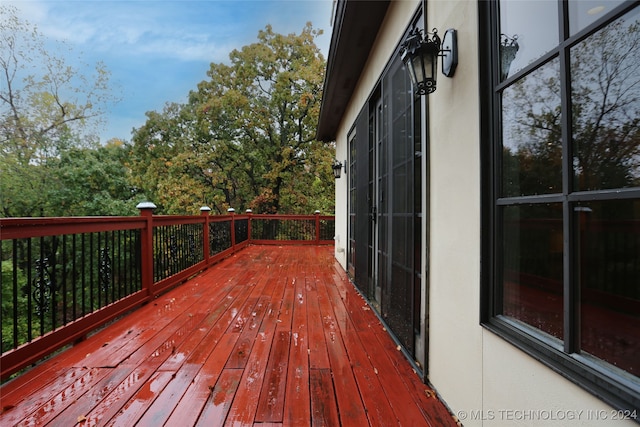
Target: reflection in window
[[608, 243], [585, 12], [509, 48], [535, 25], [567, 228], [532, 134], [606, 106], [532, 272]]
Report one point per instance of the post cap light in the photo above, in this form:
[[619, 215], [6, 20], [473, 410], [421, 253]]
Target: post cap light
[[146, 205]]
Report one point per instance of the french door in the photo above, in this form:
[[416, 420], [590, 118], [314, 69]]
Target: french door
[[386, 207]]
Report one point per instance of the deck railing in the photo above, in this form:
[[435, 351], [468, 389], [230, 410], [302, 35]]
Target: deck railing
[[63, 278]]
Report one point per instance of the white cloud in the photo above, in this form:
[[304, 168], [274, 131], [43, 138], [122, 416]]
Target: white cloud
[[159, 50]]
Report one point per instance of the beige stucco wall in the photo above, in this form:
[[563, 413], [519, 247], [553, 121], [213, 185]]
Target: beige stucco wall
[[454, 165], [483, 379]]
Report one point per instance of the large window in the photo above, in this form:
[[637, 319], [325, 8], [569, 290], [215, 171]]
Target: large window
[[562, 207]]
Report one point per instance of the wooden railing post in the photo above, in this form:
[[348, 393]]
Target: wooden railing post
[[317, 213], [205, 211], [249, 212], [146, 248]]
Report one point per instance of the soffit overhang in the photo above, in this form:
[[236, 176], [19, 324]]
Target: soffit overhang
[[355, 28]]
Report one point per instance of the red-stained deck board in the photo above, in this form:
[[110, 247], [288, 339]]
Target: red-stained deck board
[[245, 402], [80, 406], [350, 405], [271, 405], [59, 394], [240, 354], [271, 336], [422, 394], [297, 411], [221, 396], [324, 409], [379, 409], [318, 357], [163, 405], [194, 399], [135, 407]]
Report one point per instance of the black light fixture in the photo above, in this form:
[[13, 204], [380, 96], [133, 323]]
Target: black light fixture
[[420, 52], [337, 168]]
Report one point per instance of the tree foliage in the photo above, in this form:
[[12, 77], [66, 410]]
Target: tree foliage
[[49, 112], [246, 136]]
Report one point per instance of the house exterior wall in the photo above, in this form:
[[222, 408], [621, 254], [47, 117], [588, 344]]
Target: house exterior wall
[[485, 380]]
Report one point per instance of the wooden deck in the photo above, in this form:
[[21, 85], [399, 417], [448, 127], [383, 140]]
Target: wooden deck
[[270, 336]]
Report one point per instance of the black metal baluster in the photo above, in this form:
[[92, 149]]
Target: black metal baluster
[[15, 294], [98, 272], [137, 253], [157, 253], [130, 264], [113, 265], [161, 253], [74, 274], [177, 233], [91, 268], [40, 274], [83, 265], [64, 279], [114, 268], [117, 280], [28, 292], [176, 248]]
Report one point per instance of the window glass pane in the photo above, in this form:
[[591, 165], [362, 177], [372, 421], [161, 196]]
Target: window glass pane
[[608, 243], [532, 134], [534, 24], [606, 106], [585, 12], [532, 269]]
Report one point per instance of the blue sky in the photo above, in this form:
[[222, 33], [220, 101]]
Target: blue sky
[[157, 51]]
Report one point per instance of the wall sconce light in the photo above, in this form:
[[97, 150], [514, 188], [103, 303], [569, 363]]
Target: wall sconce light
[[420, 53], [337, 168]]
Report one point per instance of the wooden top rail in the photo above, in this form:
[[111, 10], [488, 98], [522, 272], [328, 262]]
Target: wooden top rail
[[23, 228]]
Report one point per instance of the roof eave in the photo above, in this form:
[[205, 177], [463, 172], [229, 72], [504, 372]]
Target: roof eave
[[355, 28]]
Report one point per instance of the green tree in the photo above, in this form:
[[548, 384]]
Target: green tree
[[93, 181], [46, 107], [8, 295], [246, 137]]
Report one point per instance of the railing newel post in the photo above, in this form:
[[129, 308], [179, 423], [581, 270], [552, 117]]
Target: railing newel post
[[205, 211], [146, 248]]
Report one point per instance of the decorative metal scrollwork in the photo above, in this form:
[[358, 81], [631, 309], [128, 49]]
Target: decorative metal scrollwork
[[173, 248], [192, 249], [105, 269], [43, 287]]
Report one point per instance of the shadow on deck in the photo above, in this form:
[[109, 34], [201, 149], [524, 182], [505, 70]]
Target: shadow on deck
[[270, 336]]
